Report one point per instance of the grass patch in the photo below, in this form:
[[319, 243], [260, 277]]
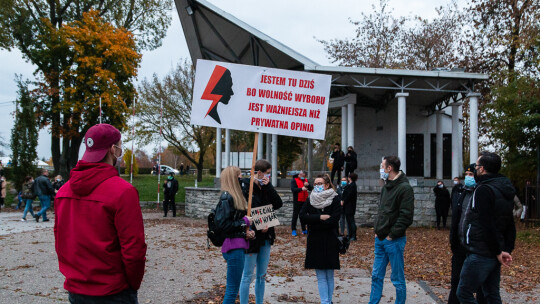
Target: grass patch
[[530, 236], [147, 185]]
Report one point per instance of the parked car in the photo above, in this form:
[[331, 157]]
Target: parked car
[[166, 170]]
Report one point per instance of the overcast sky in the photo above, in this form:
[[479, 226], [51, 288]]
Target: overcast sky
[[297, 24]]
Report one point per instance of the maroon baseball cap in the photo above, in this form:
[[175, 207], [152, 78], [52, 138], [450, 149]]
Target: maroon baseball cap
[[98, 140]]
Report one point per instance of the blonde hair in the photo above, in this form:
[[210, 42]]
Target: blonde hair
[[230, 184]]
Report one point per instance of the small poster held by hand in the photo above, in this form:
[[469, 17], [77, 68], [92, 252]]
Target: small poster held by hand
[[264, 217]]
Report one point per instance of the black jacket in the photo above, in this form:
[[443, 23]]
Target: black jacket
[[457, 190], [339, 159], [58, 184], [349, 199], [322, 244], [228, 219], [442, 197], [43, 186], [457, 207], [170, 189], [350, 159], [488, 221], [262, 196], [295, 189]]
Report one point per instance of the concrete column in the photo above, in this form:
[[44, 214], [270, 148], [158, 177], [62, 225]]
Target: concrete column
[[460, 141], [260, 151], [350, 126], [427, 149], [218, 152], [455, 139], [227, 147], [344, 117], [473, 126], [274, 160], [310, 158], [439, 141], [268, 146], [402, 129]]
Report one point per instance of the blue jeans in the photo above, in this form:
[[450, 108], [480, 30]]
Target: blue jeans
[[235, 267], [128, 296], [260, 260], [325, 281], [45, 201], [388, 251], [479, 271], [28, 208]]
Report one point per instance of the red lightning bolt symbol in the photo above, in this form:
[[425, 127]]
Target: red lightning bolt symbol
[[214, 79]]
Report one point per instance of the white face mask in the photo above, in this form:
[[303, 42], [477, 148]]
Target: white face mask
[[383, 174], [456, 182]]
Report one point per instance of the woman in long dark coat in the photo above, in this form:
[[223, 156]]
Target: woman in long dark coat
[[321, 213]]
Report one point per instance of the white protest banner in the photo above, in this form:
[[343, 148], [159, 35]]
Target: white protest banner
[[259, 99], [264, 217]]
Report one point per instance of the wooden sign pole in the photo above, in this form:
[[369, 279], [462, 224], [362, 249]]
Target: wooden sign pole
[[252, 179]]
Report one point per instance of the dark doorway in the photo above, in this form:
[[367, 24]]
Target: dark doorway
[[447, 155], [415, 155]]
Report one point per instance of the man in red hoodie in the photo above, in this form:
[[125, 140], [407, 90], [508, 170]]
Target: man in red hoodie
[[98, 229]]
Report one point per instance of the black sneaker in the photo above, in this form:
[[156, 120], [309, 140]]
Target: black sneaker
[[37, 218], [46, 220]]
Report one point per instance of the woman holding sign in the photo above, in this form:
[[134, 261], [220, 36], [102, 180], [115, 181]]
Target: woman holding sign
[[232, 220], [321, 213], [258, 254]]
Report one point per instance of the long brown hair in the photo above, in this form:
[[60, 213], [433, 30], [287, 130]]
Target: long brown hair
[[230, 184]]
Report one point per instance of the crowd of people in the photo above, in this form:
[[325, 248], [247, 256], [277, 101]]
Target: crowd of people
[[102, 253]]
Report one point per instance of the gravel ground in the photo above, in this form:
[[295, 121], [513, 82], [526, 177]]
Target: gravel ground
[[180, 268]]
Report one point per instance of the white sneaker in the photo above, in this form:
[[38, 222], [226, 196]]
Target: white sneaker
[[23, 220]]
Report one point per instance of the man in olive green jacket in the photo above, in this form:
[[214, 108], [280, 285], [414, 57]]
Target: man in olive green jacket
[[395, 215]]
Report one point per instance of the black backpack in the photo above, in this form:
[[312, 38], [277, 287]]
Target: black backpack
[[216, 236]]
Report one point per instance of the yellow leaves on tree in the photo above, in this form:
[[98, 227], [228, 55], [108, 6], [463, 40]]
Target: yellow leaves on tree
[[103, 62]]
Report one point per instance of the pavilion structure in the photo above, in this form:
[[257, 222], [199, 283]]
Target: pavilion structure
[[414, 114]]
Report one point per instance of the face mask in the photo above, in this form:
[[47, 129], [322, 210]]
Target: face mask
[[343, 183], [170, 178], [456, 182], [302, 178], [383, 174], [440, 186], [470, 181], [318, 188]]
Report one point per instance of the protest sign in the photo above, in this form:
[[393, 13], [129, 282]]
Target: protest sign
[[259, 99], [264, 217]]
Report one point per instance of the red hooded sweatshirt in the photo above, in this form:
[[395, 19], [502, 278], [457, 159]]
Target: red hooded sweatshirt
[[99, 232]]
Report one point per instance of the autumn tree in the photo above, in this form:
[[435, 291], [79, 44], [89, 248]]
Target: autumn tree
[[175, 93], [36, 29], [127, 162], [377, 44], [24, 136]]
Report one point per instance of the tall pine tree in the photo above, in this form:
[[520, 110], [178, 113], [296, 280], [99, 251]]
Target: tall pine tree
[[24, 136]]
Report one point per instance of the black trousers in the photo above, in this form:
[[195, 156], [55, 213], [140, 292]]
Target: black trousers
[[348, 170], [441, 209], [334, 170], [127, 296], [169, 203], [296, 211], [351, 226], [458, 258]]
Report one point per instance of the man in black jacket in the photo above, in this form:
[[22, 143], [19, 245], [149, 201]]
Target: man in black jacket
[[487, 231], [170, 188], [458, 251], [43, 189], [339, 160]]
